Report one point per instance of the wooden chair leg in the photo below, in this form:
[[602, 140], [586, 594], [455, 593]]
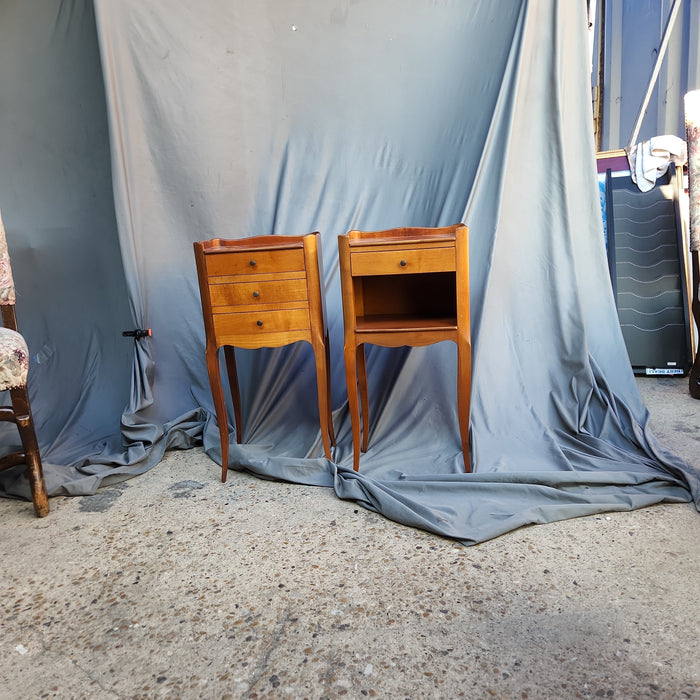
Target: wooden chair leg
[[364, 396], [694, 378], [217, 393], [327, 349], [36, 483], [353, 402], [232, 371], [25, 426]]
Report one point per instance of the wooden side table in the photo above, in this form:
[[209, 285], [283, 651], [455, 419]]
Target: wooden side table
[[263, 291], [405, 286]]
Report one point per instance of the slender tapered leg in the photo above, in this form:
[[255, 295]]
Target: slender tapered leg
[[464, 390], [353, 402], [327, 349], [322, 390], [364, 396], [217, 393], [25, 425], [232, 371]]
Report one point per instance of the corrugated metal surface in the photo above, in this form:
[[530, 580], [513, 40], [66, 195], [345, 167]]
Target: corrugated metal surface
[[632, 35]]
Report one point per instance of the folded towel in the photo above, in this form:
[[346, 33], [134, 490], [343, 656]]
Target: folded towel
[[650, 159]]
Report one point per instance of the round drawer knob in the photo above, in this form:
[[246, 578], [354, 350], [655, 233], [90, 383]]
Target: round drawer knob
[[260, 323], [256, 294], [252, 263], [403, 263]]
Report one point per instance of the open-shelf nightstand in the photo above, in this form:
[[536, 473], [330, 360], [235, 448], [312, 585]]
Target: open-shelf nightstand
[[404, 286]]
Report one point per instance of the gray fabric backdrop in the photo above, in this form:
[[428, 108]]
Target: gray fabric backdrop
[[236, 119]]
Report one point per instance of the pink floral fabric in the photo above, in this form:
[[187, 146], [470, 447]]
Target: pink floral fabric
[[14, 360], [7, 286], [693, 134], [14, 355]]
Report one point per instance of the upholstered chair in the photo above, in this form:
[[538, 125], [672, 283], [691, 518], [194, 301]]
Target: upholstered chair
[[14, 365]]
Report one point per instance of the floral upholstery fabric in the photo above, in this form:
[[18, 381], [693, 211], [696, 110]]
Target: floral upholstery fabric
[[7, 287], [14, 355], [14, 360], [692, 128]]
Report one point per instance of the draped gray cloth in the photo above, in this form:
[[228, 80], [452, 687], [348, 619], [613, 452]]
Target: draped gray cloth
[[236, 119]]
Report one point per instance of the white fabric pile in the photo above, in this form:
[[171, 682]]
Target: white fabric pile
[[650, 159]]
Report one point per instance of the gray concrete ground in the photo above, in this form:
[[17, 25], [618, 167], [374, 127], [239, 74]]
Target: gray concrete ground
[[175, 585]]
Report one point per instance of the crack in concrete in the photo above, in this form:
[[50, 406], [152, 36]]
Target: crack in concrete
[[262, 667], [47, 649]]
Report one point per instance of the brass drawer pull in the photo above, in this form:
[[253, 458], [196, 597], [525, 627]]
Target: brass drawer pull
[[403, 263]]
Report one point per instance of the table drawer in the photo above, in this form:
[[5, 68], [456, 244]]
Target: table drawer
[[397, 262], [255, 262], [249, 323], [254, 293]]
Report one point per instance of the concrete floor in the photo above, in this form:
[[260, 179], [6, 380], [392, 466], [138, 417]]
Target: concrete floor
[[175, 585]]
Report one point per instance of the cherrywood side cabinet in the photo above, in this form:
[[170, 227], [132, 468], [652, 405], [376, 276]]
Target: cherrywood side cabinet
[[263, 291], [404, 286]]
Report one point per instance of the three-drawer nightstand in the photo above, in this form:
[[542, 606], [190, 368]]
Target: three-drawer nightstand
[[405, 286], [264, 291]]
